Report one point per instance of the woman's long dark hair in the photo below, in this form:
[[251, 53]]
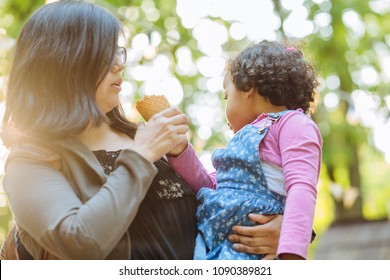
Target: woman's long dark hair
[[63, 52]]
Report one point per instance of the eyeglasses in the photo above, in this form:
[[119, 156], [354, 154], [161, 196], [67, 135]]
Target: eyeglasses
[[122, 54]]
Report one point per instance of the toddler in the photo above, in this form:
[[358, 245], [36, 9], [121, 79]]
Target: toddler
[[271, 165]]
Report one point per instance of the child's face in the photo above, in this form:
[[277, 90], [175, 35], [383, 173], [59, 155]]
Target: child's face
[[107, 93], [239, 107]]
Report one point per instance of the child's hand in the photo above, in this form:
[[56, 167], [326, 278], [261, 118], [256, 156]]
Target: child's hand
[[178, 150]]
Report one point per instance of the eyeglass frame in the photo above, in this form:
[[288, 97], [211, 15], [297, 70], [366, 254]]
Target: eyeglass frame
[[121, 52]]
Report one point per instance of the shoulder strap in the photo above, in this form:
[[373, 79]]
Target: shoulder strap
[[271, 119]]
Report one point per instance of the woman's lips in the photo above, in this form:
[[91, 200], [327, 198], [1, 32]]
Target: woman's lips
[[117, 85]]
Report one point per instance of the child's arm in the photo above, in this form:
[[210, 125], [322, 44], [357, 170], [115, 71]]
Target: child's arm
[[297, 223], [191, 169], [300, 146]]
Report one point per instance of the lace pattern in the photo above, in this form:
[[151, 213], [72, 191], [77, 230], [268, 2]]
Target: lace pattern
[[166, 185]]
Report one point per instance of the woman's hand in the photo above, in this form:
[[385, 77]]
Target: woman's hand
[[163, 132], [258, 239]]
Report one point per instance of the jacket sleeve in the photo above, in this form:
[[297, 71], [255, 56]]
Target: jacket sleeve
[[46, 205]]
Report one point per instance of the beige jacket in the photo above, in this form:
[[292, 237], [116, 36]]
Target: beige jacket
[[69, 208]]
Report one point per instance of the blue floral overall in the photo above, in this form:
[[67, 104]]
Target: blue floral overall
[[241, 189]]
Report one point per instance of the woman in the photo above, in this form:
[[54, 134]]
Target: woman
[[83, 182]]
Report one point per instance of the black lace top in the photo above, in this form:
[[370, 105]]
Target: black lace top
[[165, 226]]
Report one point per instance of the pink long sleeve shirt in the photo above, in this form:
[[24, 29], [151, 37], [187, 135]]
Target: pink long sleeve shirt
[[293, 143]]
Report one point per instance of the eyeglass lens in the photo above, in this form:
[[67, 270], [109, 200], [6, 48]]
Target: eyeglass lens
[[122, 53]]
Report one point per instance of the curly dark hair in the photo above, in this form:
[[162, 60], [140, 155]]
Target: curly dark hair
[[278, 73]]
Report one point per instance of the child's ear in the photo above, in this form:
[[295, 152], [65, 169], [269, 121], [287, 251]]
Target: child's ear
[[251, 93]]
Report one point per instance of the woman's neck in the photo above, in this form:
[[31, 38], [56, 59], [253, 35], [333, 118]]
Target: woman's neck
[[104, 137]]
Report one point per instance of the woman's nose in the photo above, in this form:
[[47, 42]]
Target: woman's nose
[[118, 65]]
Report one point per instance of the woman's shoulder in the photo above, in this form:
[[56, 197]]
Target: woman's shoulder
[[35, 152]]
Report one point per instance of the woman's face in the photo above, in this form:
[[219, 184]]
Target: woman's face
[[107, 93], [239, 108]]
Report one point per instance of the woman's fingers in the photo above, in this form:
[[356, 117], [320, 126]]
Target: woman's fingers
[[261, 219], [269, 257], [180, 128], [258, 250], [172, 115], [245, 240], [170, 112], [262, 229], [170, 121], [163, 132], [259, 239]]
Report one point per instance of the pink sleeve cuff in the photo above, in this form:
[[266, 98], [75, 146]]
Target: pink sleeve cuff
[[188, 166], [298, 219]]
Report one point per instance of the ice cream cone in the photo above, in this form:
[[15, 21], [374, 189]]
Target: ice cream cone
[[151, 105]]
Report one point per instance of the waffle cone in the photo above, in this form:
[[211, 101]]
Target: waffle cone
[[151, 105]]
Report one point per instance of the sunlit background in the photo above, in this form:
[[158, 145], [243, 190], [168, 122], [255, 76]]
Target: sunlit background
[[179, 49]]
